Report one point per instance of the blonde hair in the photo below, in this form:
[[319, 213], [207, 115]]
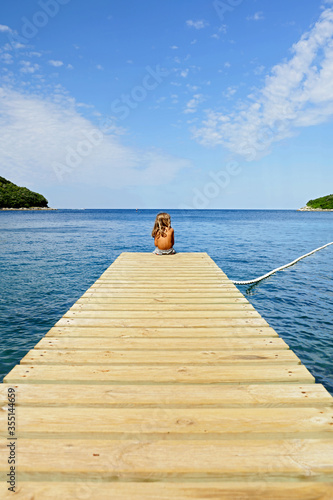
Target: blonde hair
[[162, 222]]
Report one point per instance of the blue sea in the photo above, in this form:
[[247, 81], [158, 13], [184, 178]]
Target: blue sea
[[49, 259]]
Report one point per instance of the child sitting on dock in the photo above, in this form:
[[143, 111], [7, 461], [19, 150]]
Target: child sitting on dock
[[163, 235]]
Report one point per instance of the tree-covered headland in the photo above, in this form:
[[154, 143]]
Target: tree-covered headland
[[13, 196], [323, 203]]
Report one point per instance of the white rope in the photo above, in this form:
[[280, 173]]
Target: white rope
[[249, 282]]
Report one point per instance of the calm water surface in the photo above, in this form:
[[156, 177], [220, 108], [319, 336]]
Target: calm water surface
[[49, 259]]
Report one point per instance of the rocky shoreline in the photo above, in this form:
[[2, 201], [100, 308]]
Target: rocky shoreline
[[310, 209], [31, 208]]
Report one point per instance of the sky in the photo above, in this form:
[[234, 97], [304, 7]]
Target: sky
[[168, 104]]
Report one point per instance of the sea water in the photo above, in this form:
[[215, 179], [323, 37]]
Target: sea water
[[49, 259]]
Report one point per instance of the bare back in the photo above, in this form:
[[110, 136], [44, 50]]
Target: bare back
[[167, 241]]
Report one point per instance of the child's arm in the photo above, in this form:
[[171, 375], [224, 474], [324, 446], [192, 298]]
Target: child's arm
[[172, 237]]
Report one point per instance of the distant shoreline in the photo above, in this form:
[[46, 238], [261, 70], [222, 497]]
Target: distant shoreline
[[310, 209], [303, 209], [31, 208]]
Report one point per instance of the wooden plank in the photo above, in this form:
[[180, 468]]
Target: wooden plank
[[175, 280], [170, 396], [92, 305], [171, 261], [148, 257], [193, 265], [174, 275], [178, 255], [145, 322], [170, 292], [163, 302], [166, 264], [195, 268], [162, 295], [151, 257], [245, 331], [190, 265], [148, 344], [102, 356], [104, 374], [200, 273], [165, 423], [201, 314], [164, 490], [172, 272], [158, 265], [162, 277], [296, 459], [199, 287], [176, 259], [155, 291]]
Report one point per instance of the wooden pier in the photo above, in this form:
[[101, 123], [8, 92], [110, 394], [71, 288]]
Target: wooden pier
[[163, 382]]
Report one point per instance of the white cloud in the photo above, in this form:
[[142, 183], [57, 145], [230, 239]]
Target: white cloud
[[192, 105], [18, 45], [5, 29], [28, 67], [56, 64], [297, 93], [13, 45], [259, 70], [100, 67], [198, 25], [184, 73], [47, 141], [229, 92], [70, 66], [174, 47], [258, 16], [222, 29], [192, 88], [6, 58]]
